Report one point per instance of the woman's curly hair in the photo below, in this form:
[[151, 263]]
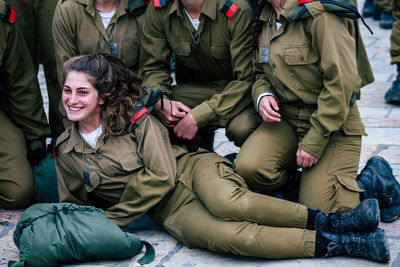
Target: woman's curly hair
[[117, 85], [257, 24]]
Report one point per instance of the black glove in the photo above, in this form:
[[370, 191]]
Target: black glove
[[35, 156]]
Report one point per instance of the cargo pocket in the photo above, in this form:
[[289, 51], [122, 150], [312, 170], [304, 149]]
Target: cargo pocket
[[347, 195], [226, 172], [130, 163], [94, 181]]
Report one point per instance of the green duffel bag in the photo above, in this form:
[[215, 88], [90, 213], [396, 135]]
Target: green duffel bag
[[45, 181], [53, 234]]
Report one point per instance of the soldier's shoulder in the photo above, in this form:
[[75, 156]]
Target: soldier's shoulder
[[63, 137], [232, 7], [72, 2], [7, 13]]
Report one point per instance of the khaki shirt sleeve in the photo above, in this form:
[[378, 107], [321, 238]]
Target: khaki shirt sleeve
[[21, 86], [236, 96], [155, 54], [337, 51], [64, 23], [154, 181], [261, 85]]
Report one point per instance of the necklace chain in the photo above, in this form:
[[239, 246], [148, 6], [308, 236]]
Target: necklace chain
[[196, 42], [85, 167]]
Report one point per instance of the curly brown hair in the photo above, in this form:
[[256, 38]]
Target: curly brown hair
[[116, 84]]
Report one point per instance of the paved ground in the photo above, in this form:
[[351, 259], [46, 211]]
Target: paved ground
[[382, 122]]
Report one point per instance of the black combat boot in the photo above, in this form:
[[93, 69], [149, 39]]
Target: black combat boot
[[378, 182], [371, 245], [376, 14], [365, 217], [392, 96], [386, 21], [368, 9]]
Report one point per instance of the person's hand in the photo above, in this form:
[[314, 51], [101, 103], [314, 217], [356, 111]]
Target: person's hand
[[268, 109], [304, 159], [187, 127], [35, 156], [172, 112]]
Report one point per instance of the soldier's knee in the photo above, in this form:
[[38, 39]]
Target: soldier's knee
[[15, 196], [227, 202]]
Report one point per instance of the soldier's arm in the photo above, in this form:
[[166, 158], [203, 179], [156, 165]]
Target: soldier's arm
[[155, 54], [21, 87], [337, 50], [237, 94], [154, 181], [64, 35]]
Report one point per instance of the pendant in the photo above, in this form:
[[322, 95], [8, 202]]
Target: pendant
[[114, 49], [86, 178]]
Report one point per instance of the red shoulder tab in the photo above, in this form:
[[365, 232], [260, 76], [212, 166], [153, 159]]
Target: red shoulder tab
[[305, 1], [11, 18], [229, 8], [137, 115], [160, 3], [7, 13]]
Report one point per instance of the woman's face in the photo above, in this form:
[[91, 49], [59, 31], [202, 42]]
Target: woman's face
[[81, 100]]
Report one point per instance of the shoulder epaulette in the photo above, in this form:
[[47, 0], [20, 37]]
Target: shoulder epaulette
[[229, 8], [137, 115], [158, 3], [7, 12], [304, 1]]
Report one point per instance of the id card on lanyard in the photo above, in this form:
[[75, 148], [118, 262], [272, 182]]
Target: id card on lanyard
[[114, 49]]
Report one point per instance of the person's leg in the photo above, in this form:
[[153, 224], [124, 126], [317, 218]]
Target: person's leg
[[44, 11], [16, 176], [227, 197], [331, 185], [194, 226], [242, 125], [267, 154]]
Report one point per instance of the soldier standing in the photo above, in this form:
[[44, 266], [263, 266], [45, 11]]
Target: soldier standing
[[23, 121]]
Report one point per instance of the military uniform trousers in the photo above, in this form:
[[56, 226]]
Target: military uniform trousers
[[395, 36], [35, 18], [212, 208], [238, 128], [330, 185], [16, 176]]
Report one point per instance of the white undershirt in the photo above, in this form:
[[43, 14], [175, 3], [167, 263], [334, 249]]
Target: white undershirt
[[91, 138], [106, 18], [195, 22]]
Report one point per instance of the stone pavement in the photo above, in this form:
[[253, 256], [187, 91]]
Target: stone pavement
[[382, 123]]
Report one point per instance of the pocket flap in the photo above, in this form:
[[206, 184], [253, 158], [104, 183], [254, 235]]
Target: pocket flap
[[300, 55], [350, 183], [220, 51], [130, 162]]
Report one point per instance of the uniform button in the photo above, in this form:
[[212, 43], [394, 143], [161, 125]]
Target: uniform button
[[301, 58], [177, 50], [100, 156], [273, 65], [137, 43], [139, 162]]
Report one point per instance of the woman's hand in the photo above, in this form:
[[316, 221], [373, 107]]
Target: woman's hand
[[304, 159], [187, 127], [268, 109]]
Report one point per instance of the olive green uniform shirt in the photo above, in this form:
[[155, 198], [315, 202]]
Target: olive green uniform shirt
[[20, 96], [224, 53], [133, 171], [78, 30], [314, 60]]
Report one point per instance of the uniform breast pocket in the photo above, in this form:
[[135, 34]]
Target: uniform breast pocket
[[130, 51], [299, 55], [130, 163], [220, 51], [180, 47]]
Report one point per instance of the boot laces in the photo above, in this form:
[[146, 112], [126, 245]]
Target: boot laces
[[351, 244], [340, 223]]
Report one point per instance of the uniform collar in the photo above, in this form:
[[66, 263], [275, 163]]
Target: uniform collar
[[91, 7], [75, 140], [289, 4], [209, 9]]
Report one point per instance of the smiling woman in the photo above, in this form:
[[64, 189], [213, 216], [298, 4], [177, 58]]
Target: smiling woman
[[81, 101]]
